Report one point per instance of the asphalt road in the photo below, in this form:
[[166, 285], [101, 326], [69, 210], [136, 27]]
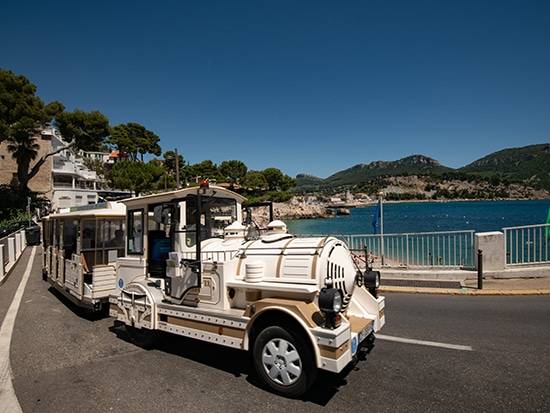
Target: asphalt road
[[63, 361]]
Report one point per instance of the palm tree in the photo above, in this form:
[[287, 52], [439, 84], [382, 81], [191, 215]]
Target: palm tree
[[23, 145]]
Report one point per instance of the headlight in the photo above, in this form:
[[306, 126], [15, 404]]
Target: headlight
[[372, 279], [330, 300]]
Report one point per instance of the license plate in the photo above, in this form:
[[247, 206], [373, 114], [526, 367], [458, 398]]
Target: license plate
[[364, 333]]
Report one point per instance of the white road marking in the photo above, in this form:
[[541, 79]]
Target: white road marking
[[8, 399], [424, 343]]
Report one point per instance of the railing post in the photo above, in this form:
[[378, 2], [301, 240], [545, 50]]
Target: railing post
[[17, 245], [505, 246], [11, 250], [407, 250], [1, 263], [479, 269]]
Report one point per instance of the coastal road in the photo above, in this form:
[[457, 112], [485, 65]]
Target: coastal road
[[497, 359]]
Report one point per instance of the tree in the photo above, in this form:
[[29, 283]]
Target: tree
[[204, 169], [287, 183], [277, 181], [22, 117], [254, 181], [136, 176], [274, 178], [133, 139], [80, 130], [170, 165], [22, 113], [233, 170]]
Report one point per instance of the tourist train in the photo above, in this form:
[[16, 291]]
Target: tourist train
[[81, 248], [191, 268]]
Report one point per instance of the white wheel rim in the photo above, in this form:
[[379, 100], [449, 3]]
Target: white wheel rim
[[281, 362]]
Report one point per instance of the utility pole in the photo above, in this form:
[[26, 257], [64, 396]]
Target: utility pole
[[29, 209], [177, 168], [381, 203]]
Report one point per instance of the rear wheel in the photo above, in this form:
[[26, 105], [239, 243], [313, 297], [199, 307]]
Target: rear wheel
[[283, 361]]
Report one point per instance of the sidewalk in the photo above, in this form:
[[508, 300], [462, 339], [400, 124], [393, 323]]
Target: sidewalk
[[491, 286]]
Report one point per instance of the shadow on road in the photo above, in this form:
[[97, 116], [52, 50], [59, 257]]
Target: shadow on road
[[79, 311], [233, 361]]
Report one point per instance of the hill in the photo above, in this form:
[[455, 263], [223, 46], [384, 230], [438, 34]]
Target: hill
[[529, 164], [528, 167], [411, 165], [307, 182]]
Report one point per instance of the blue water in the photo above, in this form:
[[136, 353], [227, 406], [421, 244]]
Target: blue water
[[431, 216]]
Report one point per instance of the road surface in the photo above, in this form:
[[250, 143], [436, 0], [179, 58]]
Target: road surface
[[439, 353]]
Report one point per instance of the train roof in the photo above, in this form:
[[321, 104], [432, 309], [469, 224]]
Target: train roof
[[105, 209], [212, 190]]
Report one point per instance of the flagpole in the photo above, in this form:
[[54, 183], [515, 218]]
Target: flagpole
[[381, 206]]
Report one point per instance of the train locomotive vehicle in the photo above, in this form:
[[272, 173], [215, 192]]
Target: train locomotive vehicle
[[81, 247], [296, 304]]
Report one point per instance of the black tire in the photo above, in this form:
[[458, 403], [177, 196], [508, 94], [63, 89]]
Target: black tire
[[141, 337], [306, 362]]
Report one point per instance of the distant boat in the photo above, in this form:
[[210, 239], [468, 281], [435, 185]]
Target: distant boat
[[342, 211]]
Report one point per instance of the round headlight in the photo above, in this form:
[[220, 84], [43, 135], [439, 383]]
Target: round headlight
[[337, 302], [330, 300]]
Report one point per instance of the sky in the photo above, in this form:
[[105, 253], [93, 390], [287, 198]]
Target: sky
[[306, 86]]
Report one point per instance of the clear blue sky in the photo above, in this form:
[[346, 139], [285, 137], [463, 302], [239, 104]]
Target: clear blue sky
[[307, 86]]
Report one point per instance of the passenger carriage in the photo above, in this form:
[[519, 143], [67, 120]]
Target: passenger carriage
[[192, 269], [81, 248]]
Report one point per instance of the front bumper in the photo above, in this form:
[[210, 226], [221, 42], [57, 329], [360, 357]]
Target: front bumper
[[339, 347], [131, 309]]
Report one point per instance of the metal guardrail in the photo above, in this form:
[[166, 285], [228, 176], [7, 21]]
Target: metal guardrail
[[451, 249], [12, 246], [527, 244]]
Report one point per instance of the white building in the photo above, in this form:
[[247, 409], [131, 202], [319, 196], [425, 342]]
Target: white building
[[74, 184]]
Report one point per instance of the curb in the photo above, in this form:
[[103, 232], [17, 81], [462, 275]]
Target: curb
[[463, 291]]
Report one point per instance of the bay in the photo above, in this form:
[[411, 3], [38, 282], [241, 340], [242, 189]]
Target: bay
[[430, 216]]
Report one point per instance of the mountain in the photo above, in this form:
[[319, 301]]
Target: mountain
[[306, 182], [530, 164], [411, 165]]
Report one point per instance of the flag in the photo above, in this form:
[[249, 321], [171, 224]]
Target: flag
[[376, 218]]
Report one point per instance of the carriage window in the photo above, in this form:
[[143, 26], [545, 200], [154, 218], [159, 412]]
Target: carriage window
[[70, 235], [135, 232], [88, 244], [56, 230], [50, 232], [113, 235], [110, 240], [46, 234], [217, 213], [88, 234]]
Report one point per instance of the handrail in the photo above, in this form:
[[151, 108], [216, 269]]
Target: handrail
[[526, 226]]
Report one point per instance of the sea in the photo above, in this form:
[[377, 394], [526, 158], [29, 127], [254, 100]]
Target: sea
[[407, 217]]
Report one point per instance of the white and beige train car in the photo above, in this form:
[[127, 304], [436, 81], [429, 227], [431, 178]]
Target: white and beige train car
[[81, 248], [297, 304]]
